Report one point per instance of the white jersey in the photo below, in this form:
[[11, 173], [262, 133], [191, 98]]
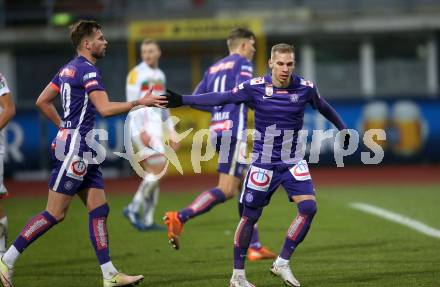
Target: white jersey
[[149, 119], [3, 91]]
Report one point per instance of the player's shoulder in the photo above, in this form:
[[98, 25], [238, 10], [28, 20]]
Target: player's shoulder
[[257, 81], [303, 82]]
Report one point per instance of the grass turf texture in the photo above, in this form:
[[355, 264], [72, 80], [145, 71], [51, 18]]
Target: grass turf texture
[[345, 247]]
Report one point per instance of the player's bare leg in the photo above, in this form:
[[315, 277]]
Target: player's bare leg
[[56, 210], [95, 201], [295, 235], [226, 189]]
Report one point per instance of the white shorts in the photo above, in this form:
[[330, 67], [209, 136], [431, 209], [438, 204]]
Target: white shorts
[[154, 154]]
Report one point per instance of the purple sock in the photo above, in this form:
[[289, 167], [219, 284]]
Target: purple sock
[[98, 232], [243, 235], [255, 240], [203, 203], [299, 227], [36, 227]]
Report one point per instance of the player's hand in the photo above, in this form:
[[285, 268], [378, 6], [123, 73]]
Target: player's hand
[[174, 99], [153, 101]]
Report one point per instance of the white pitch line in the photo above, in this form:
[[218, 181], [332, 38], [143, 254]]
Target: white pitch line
[[398, 218]]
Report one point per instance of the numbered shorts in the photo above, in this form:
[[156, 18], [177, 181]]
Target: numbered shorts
[[74, 174], [232, 153], [263, 180]]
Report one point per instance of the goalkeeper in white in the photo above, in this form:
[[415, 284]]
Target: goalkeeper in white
[[147, 129]]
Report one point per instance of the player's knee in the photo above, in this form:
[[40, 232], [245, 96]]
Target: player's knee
[[253, 214], [58, 215], [307, 207], [228, 191], [100, 211]]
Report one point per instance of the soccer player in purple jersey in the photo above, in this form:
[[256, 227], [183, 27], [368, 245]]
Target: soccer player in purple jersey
[[82, 93], [227, 122], [279, 100]]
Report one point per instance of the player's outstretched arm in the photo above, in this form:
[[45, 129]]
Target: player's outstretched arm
[[106, 108], [46, 106], [8, 112], [209, 99]]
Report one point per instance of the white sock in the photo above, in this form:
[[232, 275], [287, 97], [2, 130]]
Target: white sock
[[150, 206], [3, 234], [281, 262], [135, 204], [10, 256], [150, 198], [108, 270], [237, 272]]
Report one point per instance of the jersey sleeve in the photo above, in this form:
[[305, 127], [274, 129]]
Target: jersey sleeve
[[4, 89], [132, 87], [320, 104], [92, 80], [244, 72], [239, 94], [55, 82]]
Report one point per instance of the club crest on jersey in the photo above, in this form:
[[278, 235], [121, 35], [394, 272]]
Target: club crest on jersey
[[259, 178], [294, 98], [77, 168], [268, 90], [301, 171]]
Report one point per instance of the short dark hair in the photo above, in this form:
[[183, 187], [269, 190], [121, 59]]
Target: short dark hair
[[81, 29], [238, 34], [282, 48]]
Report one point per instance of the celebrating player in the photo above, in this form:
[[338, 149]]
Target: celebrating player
[[279, 100], [75, 171], [227, 121], [6, 114], [146, 127]]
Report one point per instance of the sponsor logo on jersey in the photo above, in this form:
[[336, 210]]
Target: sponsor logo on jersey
[[306, 83], [301, 171], [89, 76], [77, 168], [91, 83], [132, 77], [294, 98], [259, 178], [221, 126], [281, 92], [257, 81], [221, 67], [69, 73]]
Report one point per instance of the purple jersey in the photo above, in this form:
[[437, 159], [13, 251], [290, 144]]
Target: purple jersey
[[75, 81], [279, 114], [223, 76]]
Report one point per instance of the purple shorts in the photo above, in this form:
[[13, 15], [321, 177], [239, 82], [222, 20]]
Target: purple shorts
[[263, 180], [74, 174], [231, 155]]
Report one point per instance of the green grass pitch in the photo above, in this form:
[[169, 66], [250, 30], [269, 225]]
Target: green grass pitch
[[345, 247]]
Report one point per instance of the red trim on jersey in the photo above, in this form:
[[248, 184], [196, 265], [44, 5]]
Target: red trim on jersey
[[55, 87]]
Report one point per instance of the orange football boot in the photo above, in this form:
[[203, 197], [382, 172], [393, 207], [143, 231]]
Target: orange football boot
[[255, 254], [175, 228]]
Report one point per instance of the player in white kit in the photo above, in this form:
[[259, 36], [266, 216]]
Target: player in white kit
[[148, 127], [7, 111]]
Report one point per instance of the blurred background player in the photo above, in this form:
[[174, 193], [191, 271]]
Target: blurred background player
[[147, 132], [7, 111], [278, 98], [82, 94], [227, 121]]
